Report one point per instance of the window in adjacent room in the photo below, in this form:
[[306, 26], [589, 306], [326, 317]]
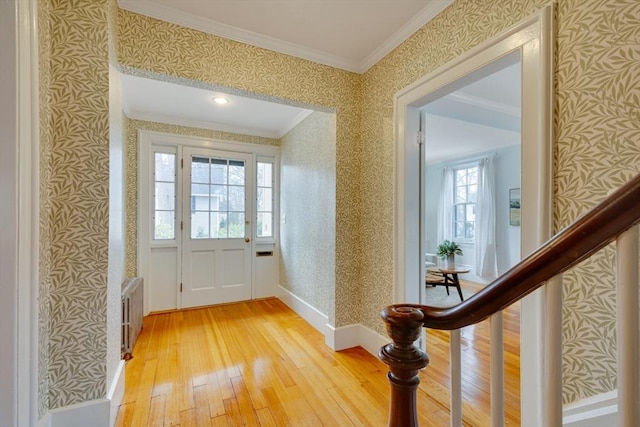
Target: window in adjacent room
[[465, 189]]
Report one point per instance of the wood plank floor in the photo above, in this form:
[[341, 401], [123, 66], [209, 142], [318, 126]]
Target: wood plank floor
[[259, 364]]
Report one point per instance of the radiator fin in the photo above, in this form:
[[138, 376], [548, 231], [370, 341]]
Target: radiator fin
[[132, 307]]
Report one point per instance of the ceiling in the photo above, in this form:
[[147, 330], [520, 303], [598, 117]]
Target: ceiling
[[348, 34]]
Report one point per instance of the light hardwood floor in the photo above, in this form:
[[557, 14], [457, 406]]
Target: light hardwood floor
[[259, 364]]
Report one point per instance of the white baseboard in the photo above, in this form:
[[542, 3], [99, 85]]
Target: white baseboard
[[45, 421], [116, 392], [309, 313], [95, 413], [596, 411], [339, 338]]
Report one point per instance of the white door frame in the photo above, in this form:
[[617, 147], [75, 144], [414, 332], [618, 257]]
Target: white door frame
[[19, 234], [533, 38], [145, 141]]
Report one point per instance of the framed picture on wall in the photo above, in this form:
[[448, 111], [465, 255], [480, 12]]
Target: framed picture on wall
[[514, 206]]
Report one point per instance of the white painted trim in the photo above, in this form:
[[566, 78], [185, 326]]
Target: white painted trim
[[339, 338], [294, 122], [94, 413], [179, 121], [476, 101], [169, 14], [533, 39], [355, 335], [312, 315], [417, 22], [116, 392], [9, 214], [595, 411], [202, 142], [45, 421], [146, 139]]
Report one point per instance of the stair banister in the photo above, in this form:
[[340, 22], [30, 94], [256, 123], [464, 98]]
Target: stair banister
[[585, 236]]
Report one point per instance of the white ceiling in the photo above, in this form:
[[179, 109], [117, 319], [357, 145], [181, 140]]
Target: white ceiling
[[348, 34], [157, 101]]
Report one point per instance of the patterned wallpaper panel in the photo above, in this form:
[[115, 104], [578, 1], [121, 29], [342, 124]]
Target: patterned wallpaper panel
[[597, 149], [132, 127], [74, 212], [597, 132], [158, 48], [44, 40], [597, 127], [307, 198]]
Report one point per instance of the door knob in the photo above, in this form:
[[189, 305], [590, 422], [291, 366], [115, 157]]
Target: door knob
[[246, 239]]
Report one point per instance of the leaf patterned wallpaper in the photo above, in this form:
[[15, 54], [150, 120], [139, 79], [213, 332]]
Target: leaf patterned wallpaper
[[307, 198], [597, 128], [132, 128], [74, 219], [149, 46]]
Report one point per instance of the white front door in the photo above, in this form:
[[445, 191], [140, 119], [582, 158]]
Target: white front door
[[216, 234]]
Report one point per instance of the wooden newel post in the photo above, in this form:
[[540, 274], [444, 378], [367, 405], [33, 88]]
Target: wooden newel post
[[404, 325]]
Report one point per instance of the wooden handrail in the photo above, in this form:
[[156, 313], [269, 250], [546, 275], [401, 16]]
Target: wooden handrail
[[585, 236]]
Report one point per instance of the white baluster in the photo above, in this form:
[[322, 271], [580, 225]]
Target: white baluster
[[496, 370], [627, 328], [456, 378], [552, 404]]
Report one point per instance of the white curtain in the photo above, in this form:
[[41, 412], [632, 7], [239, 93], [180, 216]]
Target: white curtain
[[445, 210], [485, 229]]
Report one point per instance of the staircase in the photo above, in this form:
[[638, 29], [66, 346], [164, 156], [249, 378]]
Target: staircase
[[615, 219]]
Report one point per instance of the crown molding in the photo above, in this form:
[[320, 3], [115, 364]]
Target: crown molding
[[417, 22], [171, 120], [294, 122], [174, 16], [475, 101]]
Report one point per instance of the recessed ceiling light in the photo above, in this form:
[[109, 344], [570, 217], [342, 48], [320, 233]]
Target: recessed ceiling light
[[220, 100]]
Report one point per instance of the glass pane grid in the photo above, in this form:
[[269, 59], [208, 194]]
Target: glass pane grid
[[164, 177], [264, 199], [220, 185]]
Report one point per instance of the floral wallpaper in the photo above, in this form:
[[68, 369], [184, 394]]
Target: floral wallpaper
[[597, 129], [132, 127], [307, 198]]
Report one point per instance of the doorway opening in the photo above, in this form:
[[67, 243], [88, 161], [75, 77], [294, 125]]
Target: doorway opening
[[531, 41]]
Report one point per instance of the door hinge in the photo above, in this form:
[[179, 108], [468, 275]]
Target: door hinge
[[181, 163], [180, 287], [420, 137], [181, 225]]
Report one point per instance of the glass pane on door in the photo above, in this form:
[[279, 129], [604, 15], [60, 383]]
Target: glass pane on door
[[217, 198]]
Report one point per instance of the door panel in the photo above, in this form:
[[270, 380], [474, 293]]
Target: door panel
[[217, 205]]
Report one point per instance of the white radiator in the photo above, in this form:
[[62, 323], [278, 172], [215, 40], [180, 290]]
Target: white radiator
[[132, 292]]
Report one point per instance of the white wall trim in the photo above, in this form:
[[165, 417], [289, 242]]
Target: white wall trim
[[116, 392], [533, 42], [94, 413], [45, 421], [170, 14], [407, 30], [181, 121], [308, 312], [165, 138], [339, 338], [595, 411]]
